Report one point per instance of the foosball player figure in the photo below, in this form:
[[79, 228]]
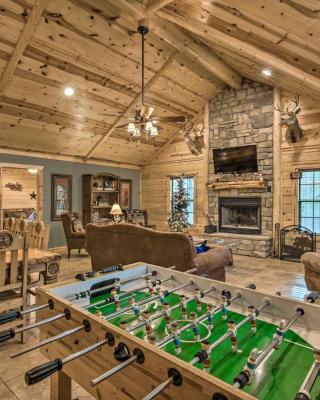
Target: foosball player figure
[[152, 339], [98, 313], [176, 337], [233, 330], [253, 322], [210, 310], [197, 298], [224, 311], [279, 334], [148, 322], [184, 304], [195, 328], [117, 285], [205, 346], [250, 367], [136, 309], [161, 294], [114, 294], [124, 325], [167, 315], [150, 286]]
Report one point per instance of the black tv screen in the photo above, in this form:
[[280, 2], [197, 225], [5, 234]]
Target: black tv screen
[[235, 159]]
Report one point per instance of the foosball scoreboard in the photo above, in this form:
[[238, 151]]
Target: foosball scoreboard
[[148, 332]]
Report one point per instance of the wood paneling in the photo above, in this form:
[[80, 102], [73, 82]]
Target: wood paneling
[[299, 156], [155, 178]]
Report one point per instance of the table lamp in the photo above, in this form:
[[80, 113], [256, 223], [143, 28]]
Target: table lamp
[[116, 212]]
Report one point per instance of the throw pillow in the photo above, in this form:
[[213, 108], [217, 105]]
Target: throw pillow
[[76, 225]]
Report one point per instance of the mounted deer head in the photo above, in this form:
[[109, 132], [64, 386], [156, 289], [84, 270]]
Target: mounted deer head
[[290, 120], [194, 137]]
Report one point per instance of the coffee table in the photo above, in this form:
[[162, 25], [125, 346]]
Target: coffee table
[[216, 241]]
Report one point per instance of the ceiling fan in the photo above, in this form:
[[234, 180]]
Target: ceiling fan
[[143, 122]]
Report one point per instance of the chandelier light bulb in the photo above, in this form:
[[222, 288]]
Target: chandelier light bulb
[[131, 127], [149, 126]]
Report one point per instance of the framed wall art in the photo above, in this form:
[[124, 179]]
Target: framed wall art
[[125, 193], [61, 195]]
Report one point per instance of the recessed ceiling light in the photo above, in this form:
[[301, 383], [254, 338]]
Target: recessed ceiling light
[[33, 170], [267, 72], [69, 91]]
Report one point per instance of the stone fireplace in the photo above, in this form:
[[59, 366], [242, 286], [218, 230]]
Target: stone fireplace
[[240, 118], [240, 215]]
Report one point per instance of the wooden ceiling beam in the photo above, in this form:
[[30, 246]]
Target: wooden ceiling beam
[[210, 34], [66, 157], [185, 44], [28, 30], [132, 104], [155, 5]]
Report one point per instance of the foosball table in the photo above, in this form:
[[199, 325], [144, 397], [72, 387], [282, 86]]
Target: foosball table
[[148, 332]]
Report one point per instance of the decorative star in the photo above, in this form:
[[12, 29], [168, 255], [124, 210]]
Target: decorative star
[[33, 195]]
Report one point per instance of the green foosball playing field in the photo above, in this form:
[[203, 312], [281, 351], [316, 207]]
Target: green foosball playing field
[[279, 377]]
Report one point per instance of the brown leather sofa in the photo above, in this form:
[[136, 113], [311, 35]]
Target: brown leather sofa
[[75, 240], [311, 262], [126, 243]]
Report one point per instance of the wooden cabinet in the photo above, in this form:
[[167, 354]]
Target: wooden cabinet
[[99, 193]]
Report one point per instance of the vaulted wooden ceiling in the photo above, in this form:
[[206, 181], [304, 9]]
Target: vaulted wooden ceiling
[[195, 48]]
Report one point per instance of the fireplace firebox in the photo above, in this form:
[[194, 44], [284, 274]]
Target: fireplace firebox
[[240, 215]]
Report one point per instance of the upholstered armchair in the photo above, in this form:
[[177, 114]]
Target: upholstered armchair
[[74, 232], [311, 262]]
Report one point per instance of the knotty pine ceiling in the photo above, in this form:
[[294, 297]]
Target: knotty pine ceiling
[[195, 49]]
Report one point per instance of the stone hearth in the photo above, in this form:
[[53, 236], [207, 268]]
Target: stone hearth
[[236, 118]]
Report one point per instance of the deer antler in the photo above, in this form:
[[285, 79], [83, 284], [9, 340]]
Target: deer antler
[[278, 108], [296, 102]]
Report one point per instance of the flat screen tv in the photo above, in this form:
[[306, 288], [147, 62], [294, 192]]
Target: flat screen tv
[[235, 159]]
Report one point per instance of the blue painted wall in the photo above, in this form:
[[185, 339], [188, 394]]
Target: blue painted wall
[[76, 170]]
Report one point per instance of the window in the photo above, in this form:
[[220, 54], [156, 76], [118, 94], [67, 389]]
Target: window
[[309, 200], [189, 187]]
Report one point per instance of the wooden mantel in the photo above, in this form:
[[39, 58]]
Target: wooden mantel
[[259, 184]]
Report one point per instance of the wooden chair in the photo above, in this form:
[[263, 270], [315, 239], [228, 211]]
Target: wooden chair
[[13, 279], [39, 232]]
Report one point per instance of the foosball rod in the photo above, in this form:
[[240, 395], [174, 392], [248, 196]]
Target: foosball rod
[[314, 372], [149, 299], [85, 326], [110, 300], [241, 380], [166, 340], [11, 333], [162, 313], [89, 292], [224, 337], [16, 314], [43, 371]]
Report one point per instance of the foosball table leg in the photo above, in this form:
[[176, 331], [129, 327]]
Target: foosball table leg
[[60, 386]]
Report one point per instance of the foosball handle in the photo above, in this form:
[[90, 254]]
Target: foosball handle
[[9, 317], [41, 372], [6, 335]]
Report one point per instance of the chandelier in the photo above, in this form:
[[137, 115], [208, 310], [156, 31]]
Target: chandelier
[[142, 119]]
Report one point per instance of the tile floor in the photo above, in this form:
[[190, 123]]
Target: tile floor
[[269, 275]]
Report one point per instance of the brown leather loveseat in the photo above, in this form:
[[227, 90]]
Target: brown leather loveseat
[[126, 243]]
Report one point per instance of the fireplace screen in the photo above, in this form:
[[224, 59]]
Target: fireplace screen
[[240, 215]]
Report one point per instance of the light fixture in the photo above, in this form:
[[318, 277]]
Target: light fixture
[[267, 72], [33, 170], [143, 122], [116, 212], [69, 91]]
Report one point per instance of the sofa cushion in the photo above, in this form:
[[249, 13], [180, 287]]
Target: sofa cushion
[[76, 224]]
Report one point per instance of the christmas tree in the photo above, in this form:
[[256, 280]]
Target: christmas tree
[[178, 220]]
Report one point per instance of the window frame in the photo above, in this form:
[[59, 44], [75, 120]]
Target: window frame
[[187, 176], [313, 201]]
